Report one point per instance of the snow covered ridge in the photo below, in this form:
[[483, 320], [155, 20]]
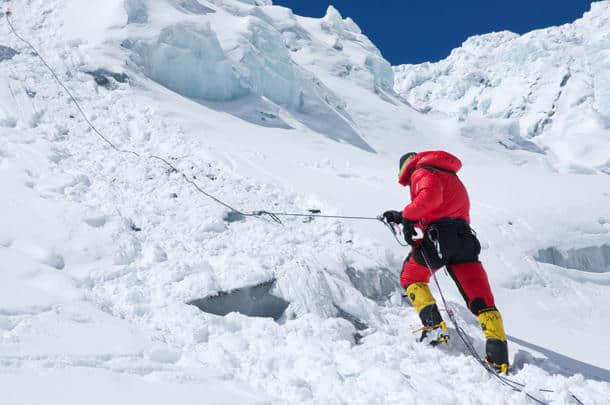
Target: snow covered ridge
[[552, 86]]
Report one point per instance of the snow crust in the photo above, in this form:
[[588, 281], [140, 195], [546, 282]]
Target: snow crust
[[100, 253]]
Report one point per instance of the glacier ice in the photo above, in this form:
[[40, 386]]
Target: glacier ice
[[377, 284], [255, 301], [192, 6], [188, 59], [553, 81], [591, 258], [333, 21], [381, 71], [137, 11]]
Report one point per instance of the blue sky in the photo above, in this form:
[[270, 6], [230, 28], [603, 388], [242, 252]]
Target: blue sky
[[415, 31]]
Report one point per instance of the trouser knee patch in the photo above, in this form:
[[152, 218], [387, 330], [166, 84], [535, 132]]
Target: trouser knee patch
[[477, 305]]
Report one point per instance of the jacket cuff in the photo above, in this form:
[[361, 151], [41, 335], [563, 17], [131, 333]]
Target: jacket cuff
[[405, 214]]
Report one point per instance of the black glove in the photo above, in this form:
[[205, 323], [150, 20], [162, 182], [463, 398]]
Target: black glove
[[393, 216], [408, 229]]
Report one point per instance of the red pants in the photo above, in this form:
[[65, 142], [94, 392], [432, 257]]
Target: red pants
[[470, 278]]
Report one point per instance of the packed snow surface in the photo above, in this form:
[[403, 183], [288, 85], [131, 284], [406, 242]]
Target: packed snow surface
[[102, 252]]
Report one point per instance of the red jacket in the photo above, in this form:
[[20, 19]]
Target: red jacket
[[435, 193]]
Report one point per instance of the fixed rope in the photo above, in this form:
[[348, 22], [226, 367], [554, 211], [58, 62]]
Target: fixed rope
[[274, 216]]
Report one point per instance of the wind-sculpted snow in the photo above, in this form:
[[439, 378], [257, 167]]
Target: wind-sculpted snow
[[553, 83]]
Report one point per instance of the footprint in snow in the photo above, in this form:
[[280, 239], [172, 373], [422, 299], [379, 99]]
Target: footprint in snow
[[96, 222], [8, 122], [5, 241], [43, 255]]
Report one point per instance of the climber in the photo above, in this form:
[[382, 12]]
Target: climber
[[441, 209]]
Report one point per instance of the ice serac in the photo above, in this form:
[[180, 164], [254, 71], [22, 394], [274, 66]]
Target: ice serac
[[254, 61], [193, 6], [552, 83], [590, 258], [137, 12], [357, 54], [189, 60], [266, 66]]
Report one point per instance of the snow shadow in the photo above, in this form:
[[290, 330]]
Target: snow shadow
[[358, 323], [559, 363], [103, 78], [254, 301], [377, 284], [7, 53], [253, 109], [594, 259]]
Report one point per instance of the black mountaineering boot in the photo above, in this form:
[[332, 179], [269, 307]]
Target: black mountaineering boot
[[497, 355]]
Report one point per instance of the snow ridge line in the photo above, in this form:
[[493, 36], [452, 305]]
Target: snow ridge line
[[515, 385], [257, 214]]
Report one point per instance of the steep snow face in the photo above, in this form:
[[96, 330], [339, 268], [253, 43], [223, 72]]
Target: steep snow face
[[551, 85]]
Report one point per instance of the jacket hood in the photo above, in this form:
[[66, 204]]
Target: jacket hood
[[437, 158]]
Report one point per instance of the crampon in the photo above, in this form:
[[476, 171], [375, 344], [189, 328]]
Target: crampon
[[433, 335], [498, 368]]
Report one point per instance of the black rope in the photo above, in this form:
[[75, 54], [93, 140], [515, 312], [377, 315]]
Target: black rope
[[80, 110], [274, 216]]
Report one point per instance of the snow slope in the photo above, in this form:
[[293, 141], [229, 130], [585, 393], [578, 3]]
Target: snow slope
[[102, 251]]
